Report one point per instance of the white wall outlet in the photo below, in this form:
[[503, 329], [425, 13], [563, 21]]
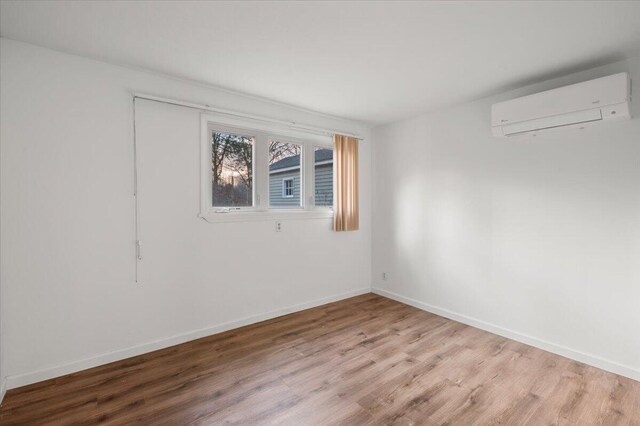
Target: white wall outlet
[[384, 276], [278, 226]]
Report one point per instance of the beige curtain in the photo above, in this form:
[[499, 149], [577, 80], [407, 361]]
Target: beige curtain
[[346, 211]]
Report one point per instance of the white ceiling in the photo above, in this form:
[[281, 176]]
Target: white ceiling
[[372, 61]]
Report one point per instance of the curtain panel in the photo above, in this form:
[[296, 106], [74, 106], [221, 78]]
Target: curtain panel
[[346, 209]]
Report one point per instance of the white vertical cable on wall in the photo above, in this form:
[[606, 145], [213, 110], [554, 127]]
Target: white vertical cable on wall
[[138, 242]]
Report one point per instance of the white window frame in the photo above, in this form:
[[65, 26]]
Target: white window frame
[[284, 187], [262, 133]]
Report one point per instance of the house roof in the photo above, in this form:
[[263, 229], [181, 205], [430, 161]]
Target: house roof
[[294, 160]]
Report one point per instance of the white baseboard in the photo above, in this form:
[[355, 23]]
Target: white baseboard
[[604, 364], [72, 367], [3, 388]]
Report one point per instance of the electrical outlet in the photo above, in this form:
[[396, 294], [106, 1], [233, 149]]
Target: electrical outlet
[[278, 226], [384, 276]]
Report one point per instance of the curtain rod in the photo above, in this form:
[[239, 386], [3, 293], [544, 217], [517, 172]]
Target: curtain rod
[[288, 124]]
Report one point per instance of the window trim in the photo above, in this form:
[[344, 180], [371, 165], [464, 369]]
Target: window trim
[[262, 133], [284, 187]]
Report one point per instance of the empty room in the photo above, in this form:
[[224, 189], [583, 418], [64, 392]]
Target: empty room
[[319, 212]]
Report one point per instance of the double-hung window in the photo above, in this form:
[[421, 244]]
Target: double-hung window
[[256, 171]]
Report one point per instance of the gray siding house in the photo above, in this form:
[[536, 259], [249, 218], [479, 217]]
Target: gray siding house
[[285, 180]]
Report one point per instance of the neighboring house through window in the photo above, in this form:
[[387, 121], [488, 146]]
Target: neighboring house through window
[[285, 175], [285, 180], [323, 177]]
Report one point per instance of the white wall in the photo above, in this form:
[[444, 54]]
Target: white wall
[[70, 301], [2, 378], [535, 238]]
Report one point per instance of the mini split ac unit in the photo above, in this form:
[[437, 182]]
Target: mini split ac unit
[[578, 105]]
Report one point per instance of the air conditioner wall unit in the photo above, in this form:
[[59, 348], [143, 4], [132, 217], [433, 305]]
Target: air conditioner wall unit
[[578, 105]]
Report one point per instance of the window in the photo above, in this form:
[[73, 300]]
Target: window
[[252, 170], [287, 188], [231, 170], [285, 172], [323, 176]]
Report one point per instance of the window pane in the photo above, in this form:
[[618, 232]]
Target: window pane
[[287, 188], [285, 174], [231, 170], [323, 177]]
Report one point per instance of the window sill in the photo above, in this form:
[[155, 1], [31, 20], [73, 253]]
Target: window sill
[[254, 216]]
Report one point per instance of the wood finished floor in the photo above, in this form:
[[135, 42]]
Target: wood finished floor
[[364, 360]]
